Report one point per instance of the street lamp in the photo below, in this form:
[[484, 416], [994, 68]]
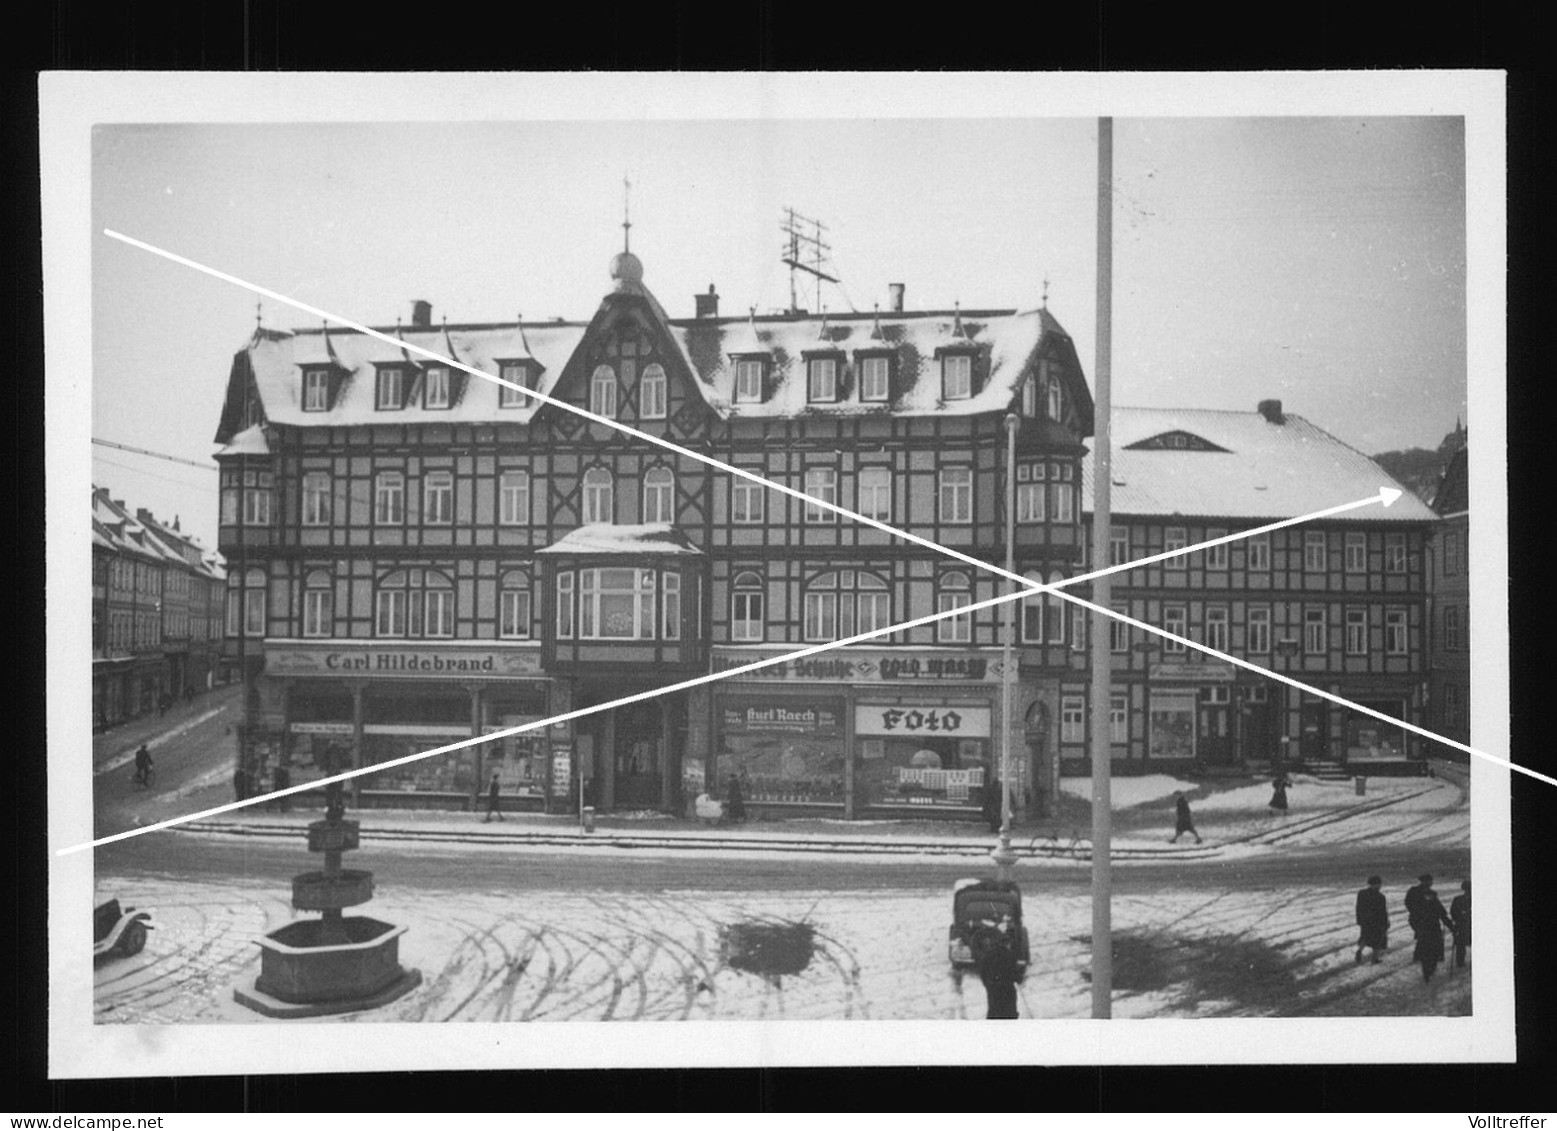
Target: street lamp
[[1286, 648], [1003, 857]]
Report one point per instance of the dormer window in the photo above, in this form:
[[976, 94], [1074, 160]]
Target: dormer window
[[875, 377], [822, 379], [1054, 395], [1030, 397], [435, 392], [391, 388], [316, 390], [748, 380], [516, 373], [956, 376]]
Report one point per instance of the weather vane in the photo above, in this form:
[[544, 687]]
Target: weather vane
[[627, 223]]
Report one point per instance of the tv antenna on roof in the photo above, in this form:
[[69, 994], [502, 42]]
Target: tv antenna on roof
[[806, 250]]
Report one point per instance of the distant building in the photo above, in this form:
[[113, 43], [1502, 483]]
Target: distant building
[[156, 602], [419, 556], [1449, 581]]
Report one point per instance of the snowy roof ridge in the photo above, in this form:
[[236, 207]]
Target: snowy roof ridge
[[624, 538]]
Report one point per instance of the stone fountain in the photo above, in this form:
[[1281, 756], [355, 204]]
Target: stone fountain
[[336, 963]]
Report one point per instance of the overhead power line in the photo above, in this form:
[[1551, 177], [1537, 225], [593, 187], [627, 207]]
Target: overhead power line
[[156, 455]]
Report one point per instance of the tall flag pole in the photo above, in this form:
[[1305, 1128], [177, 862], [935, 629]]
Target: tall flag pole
[[1102, 485]]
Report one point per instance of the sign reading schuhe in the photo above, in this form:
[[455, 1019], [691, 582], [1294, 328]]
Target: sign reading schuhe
[[871, 667], [379, 661]]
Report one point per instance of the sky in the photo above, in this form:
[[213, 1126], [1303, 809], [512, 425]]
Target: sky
[[1318, 260]]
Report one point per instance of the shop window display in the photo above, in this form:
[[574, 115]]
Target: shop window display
[[784, 750], [922, 770]]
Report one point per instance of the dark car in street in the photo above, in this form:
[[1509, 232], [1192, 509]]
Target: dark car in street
[[981, 904]]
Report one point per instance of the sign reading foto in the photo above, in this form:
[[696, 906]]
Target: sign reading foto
[[922, 720]]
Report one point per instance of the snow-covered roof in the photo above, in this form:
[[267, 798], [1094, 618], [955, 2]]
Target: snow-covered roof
[[1266, 470], [658, 538], [250, 442]]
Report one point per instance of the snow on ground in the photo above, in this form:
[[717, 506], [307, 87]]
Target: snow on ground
[[1129, 791]]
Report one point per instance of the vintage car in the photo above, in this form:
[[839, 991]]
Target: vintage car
[[978, 904], [117, 930]]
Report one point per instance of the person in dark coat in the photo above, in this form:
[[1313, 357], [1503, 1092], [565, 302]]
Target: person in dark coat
[[1460, 917], [143, 765], [1278, 797], [1372, 919], [993, 805], [1183, 822], [994, 956], [494, 799], [1428, 919], [735, 803]]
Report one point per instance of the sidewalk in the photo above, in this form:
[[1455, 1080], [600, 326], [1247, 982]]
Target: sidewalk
[[116, 746], [1227, 813]]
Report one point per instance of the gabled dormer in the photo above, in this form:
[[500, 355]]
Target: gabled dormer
[[441, 385], [518, 366], [956, 358], [875, 367], [396, 383], [321, 371], [751, 363], [825, 368], [1175, 440]]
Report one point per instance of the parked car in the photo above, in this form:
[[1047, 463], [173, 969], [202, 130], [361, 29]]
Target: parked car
[[117, 930], [977, 904]]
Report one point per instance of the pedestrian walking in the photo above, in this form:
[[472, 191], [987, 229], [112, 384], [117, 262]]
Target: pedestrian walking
[[1460, 918], [735, 803], [994, 805], [1428, 919], [1372, 919], [494, 799], [1278, 797], [994, 956], [1183, 822], [143, 765]]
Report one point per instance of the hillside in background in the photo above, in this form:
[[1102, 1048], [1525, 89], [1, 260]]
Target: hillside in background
[[1419, 469]]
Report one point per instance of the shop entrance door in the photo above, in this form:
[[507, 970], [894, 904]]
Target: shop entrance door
[[1216, 728], [1314, 742], [639, 751]]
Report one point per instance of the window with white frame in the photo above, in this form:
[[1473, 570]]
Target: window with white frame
[[513, 605], [1216, 627], [956, 495], [316, 498], [659, 495], [1451, 627], [246, 603], [435, 387], [1118, 631], [1054, 612], [391, 388], [1394, 553], [412, 604], [1030, 491], [565, 606], [875, 378], [1356, 553], [316, 390], [1259, 552], [844, 603], [1064, 502], [1030, 396], [1258, 642], [651, 393], [748, 502], [602, 392], [318, 604], [1174, 538], [954, 592], [822, 379], [746, 608], [389, 498], [616, 604], [748, 380], [438, 498], [873, 488], [515, 373], [599, 496], [1054, 395], [1118, 717], [821, 484], [956, 376], [1216, 556], [1078, 628], [872, 603], [1032, 612], [1118, 545], [1314, 551], [1073, 718], [1314, 634], [1175, 618], [513, 498], [670, 602], [1356, 632], [256, 497]]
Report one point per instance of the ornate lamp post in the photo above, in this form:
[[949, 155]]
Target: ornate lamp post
[[1003, 856]]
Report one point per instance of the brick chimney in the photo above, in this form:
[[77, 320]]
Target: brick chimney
[[421, 314], [1271, 411], [707, 305], [895, 290], [144, 515]]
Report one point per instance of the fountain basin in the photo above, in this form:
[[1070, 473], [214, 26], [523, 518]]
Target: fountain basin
[[333, 836], [295, 966], [320, 891]]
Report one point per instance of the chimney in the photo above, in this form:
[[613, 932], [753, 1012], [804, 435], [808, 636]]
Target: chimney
[[1271, 411], [896, 292], [421, 314], [144, 515], [707, 305]]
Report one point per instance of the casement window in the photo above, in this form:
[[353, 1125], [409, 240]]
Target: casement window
[[1216, 628], [659, 495], [1175, 619], [1314, 634], [1078, 629], [748, 380], [875, 378], [1030, 396], [956, 495], [1216, 556], [616, 604], [1314, 551], [956, 377], [954, 592], [1073, 718], [438, 498], [413, 604], [845, 603], [1030, 491], [1258, 642], [748, 502], [821, 484], [1356, 632], [1356, 553], [1055, 397], [1175, 538], [316, 498], [318, 605], [1054, 611], [873, 489], [746, 605], [1394, 553], [1118, 632], [389, 498], [651, 393], [670, 606], [516, 373], [565, 608], [599, 496], [435, 387], [1259, 553], [602, 392], [257, 487], [1118, 718], [1064, 501], [316, 390], [1451, 553], [513, 606], [1032, 612], [822, 379], [513, 498], [1118, 546], [391, 389], [246, 603], [1451, 628]]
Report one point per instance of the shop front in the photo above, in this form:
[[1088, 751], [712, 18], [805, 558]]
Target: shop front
[[1193, 714]]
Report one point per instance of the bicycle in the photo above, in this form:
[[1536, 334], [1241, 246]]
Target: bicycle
[[143, 779]]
